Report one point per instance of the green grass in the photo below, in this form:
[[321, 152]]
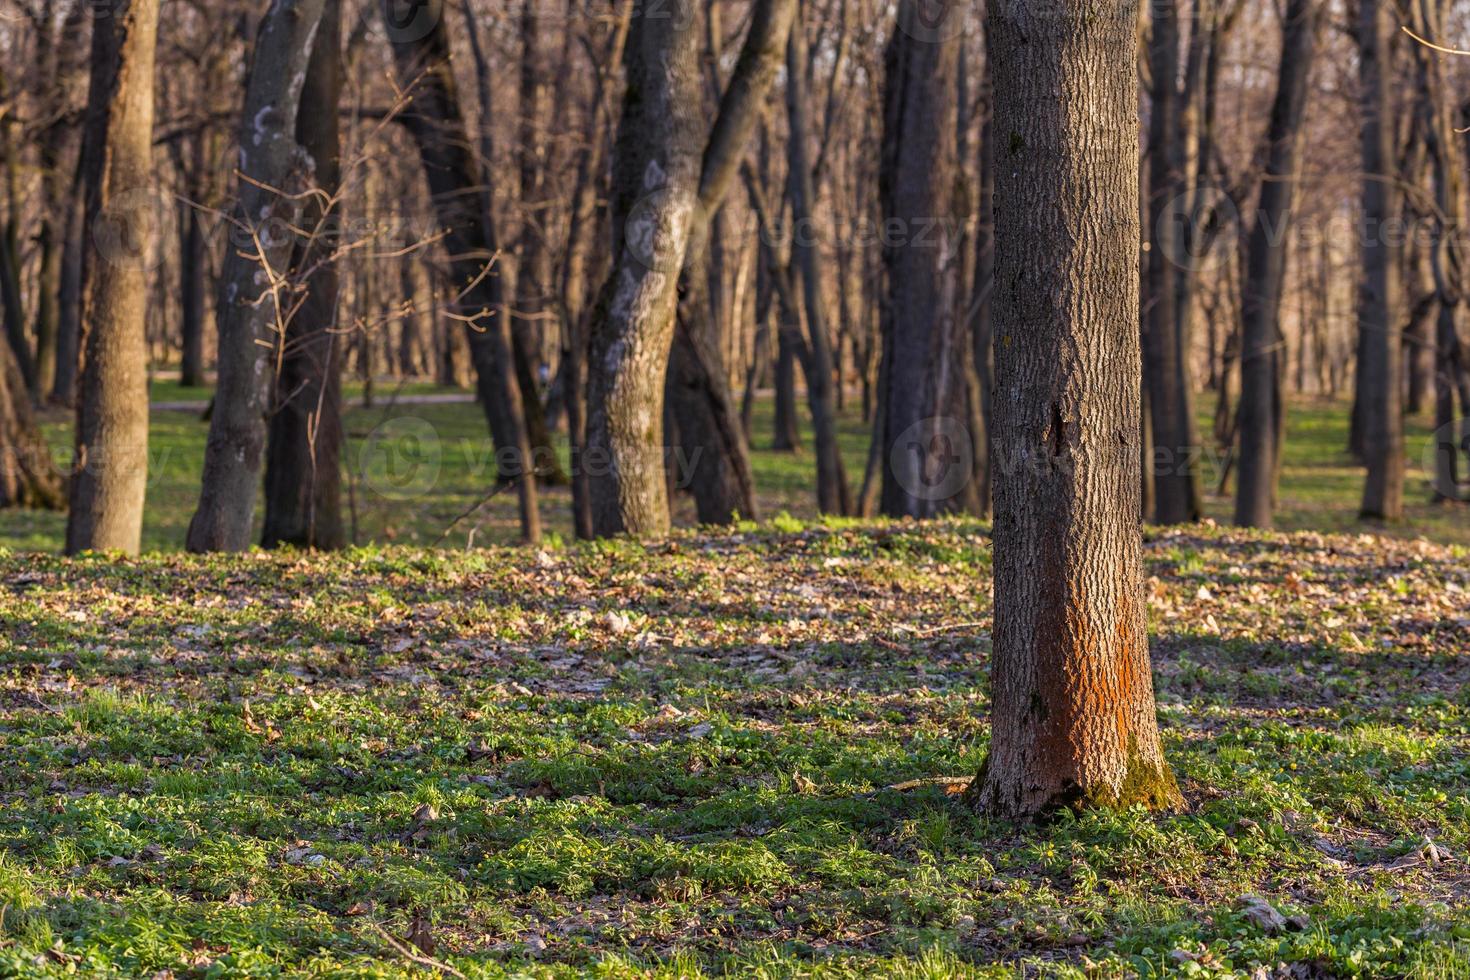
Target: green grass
[[442, 464], [690, 760]]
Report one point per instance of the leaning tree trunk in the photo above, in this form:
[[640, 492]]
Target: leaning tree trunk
[[303, 470], [461, 201], [924, 397], [110, 475], [1378, 296], [1262, 363], [834, 496], [1073, 722], [710, 433], [656, 177]]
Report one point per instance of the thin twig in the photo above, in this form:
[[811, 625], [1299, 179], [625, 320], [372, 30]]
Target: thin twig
[[415, 957]]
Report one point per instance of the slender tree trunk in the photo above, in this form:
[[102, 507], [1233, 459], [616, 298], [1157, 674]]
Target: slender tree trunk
[[1175, 498], [656, 177], [1378, 296], [254, 306], [110, 475], [1263, 362], [436, 121], [982, 323], [193, 267], [533, 303], [925, 438], [303, 470], [1073, 722], [833, 493], [69, 306]]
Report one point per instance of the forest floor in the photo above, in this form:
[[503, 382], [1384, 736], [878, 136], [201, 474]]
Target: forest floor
[[736, 753], [413, 471]]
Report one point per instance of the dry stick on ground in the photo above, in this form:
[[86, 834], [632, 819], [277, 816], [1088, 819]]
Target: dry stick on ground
[[418, 959]]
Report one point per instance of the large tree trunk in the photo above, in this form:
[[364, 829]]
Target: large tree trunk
[[1176, 498], [1378, 296], [926, 443], [1073, 722], [710, 434], [255, 305], [461, 202], [110, 475], [1262, 358], [834, 496], [656, 178], [303, 470]]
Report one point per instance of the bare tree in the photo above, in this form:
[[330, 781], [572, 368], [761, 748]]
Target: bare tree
[[1380, 351], [110, 474], [303, 472], [1073, 722], [834, 496], [655, 194], [420, 40], [926, 346], [1262, 361], [256, 302], [709, 427]]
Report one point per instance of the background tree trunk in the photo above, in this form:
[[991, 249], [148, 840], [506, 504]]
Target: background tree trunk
[[254, 306], [1262, 358], [1073, 722], [1378, 297], [833, 493], [656, 176], [709, 431], [303, 470], [924, 398], [461, 202], [110, 475], [1166, 360]]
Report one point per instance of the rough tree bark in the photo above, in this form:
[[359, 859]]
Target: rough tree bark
[[303, 469], [110, 470], [255, 302], [1378, 294], [655, 192], [435, 119], [1262, 363], [924, 401], [1073, 722]]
